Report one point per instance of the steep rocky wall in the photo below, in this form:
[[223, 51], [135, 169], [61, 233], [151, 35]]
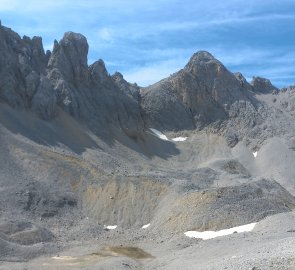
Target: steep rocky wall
[[23, 83], [38, 82]]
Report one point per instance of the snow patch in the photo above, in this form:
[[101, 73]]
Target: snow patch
[[255, 154], [110, 227], [212, 234], [146, 226], [159, 134], [179, 139]]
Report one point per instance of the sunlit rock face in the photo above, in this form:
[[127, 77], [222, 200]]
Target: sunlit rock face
[[199, 94]]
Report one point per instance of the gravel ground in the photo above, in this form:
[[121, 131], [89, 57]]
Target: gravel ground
[[51, 187]]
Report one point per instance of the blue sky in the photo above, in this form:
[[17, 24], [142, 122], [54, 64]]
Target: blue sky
[[147, 40]]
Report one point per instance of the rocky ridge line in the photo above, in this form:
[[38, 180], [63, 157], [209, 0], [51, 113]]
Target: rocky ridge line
[[204, 94]]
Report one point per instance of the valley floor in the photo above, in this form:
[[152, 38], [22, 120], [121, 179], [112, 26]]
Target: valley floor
[[271, 245], [72, 200]]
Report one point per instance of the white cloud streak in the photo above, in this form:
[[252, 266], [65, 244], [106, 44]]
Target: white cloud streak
[[154, 72]]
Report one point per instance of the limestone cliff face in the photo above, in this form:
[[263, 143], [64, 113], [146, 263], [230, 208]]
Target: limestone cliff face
[[23, 83], [39, 82], [88, 92], [199, 94]]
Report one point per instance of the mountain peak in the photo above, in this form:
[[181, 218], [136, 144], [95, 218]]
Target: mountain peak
[[99, 71], [263, 85], [69, 55], [201, 57], [76, 43], [74, 37]]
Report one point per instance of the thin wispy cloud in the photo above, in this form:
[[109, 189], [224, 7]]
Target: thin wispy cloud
[[188, 25], [147, 40], [105, 34], [147, 75]]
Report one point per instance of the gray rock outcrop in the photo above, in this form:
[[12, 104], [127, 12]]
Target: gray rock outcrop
[[262, 85], [44, 101], [22, 72], [132, 90]]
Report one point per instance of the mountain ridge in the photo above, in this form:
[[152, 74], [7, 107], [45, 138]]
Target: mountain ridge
[[202, 94]]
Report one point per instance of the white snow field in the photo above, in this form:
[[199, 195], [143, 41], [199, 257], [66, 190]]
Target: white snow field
[[179, 139], [212, 234], [110, 227], [159, 134], [146, 226]]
